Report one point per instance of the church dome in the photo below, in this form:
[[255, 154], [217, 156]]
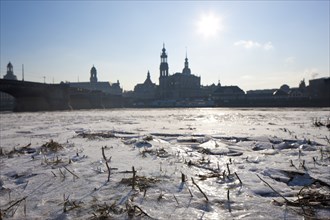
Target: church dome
[[186, 69], [10, 65]]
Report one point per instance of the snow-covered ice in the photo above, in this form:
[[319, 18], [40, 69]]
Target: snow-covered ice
[[245, 163]]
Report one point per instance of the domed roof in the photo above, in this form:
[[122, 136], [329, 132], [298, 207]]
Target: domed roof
[[9, 65], [285, 88]]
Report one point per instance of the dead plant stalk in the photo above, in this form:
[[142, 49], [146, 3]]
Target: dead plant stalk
[[106, 163], [192, 179]]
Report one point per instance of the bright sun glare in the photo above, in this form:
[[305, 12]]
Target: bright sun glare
[[209, 25]]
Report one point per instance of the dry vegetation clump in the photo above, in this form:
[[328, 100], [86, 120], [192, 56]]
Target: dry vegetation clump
[[161, 152], [308, 196], [141, 182], [92, 136], [12, 208], [148, 138], [319, 123], [51, 146], [17, 151], [105, 211], [309, 201]]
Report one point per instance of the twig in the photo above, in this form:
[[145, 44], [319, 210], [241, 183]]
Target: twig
[[106, 163], [326, 137], [183, 178], [25, 207], [17, 202], [238, 178], [274, 189], [53, 173], [134, 178], [62, 173], [292, 165], [228, 200], [190, 191], [228, 169], [143, 212], [192, 179], [176, 199], [71, 172], [303, 165], [301, 205]]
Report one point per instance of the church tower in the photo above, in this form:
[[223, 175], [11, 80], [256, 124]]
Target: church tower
[[93, 78], [10, 72], [186, 69], [163, 76], [163, 63]]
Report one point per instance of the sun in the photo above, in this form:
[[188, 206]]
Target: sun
[[209, 25]]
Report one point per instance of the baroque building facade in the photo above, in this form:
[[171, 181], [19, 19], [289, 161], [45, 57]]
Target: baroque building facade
[[146, 90], [94, 84], [178, 86]]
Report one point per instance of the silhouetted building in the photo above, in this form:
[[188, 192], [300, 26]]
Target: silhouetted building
[[228, 94], [280, 93], [94, 85], [10, 72], [146, 90], [179, 85], [208, 90], [319, 88], [260, 94], [299, 92]]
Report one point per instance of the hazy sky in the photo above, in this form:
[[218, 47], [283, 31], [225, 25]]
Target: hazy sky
[[254, 45]]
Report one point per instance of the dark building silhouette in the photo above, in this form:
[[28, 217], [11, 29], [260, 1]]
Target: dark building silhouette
[[320, 88], [228, 94], [95, 85], [179, 85], [163, 77], [7, 102], [146, 90], [10, 72], [93, 78]]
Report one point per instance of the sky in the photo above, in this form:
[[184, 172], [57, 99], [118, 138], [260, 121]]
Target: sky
[[252, 44]]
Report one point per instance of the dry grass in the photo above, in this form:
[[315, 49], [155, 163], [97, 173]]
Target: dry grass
[[141, 182], [51, 146]]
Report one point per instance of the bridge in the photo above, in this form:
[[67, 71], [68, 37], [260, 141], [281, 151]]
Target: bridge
[[33, 96]]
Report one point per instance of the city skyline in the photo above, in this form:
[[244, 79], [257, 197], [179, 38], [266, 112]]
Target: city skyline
[[255, 45]]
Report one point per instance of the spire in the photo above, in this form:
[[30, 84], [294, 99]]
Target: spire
[[148, 80], [186, 53], [163, 63], [186, 69], [22, 72], [164, 50]]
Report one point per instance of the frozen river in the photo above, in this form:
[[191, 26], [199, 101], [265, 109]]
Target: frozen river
[[20, 128], [287, 148]]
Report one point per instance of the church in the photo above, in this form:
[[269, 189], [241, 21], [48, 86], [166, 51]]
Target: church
[[94, 84], [146, 90], [178, 86], [10, 72]]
